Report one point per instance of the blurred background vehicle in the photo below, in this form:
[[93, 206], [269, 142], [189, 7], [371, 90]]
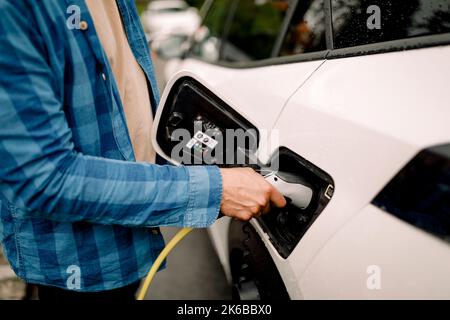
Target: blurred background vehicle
[[169, 17]]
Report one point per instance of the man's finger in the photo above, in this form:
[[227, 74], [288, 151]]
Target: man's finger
[[266, 209], [277, 199]]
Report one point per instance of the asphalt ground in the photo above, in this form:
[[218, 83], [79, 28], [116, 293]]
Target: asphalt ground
[[193, 271]]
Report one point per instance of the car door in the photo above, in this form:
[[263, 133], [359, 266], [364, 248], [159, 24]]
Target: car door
[[375, 118], [367, 131]]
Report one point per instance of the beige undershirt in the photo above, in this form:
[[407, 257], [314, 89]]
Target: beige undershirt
[[129, 76]]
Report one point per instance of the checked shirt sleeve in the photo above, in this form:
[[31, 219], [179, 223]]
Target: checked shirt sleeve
[[42, 174]]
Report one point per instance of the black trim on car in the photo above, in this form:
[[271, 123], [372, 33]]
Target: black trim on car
[[369, 49], [226, 29], [420, 193], [282, 34], [320, 55], [391, 46], [328, 24]]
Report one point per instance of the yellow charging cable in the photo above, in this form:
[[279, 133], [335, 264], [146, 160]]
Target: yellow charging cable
[[162, 256]]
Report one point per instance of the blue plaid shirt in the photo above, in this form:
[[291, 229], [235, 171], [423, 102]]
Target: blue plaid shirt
[[77, 211]]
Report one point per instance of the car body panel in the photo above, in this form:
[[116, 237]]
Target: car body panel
[[252, 90], [361, 120], [346, 126], [411, 263]]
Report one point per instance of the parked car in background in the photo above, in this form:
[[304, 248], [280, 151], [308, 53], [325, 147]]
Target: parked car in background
[[363, 117], [166, 17]]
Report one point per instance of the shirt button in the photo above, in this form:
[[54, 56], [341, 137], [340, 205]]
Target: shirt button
[[83, 25], [104, 77]]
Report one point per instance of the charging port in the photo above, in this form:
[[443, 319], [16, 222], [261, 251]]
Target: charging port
[[288, 225]]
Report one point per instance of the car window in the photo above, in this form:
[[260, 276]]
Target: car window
[[359, 22], [306, 31], [254, 29], [207, 39]]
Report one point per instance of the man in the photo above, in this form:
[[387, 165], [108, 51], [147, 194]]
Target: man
[[80, 199]]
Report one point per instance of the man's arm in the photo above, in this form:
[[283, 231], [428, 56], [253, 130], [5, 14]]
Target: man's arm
[[41, 172]]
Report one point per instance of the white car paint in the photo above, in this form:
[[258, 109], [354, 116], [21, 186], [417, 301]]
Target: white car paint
[[392, 106], [264, 88], [360, 119], [411, 263], [362, 130]]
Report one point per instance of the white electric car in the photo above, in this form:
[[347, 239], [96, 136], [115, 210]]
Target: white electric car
[[359, 93]]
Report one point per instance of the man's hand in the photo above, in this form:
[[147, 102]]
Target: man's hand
[[247, 194]]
